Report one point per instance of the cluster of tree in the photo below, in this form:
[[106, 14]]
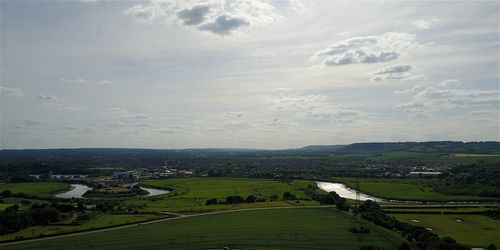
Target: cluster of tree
[[12, 219], [288, 196], [7, 193], [133, 191], [419, 236], [330, 198], [493, 213], [482, 179], [234, 199], [107, 205]]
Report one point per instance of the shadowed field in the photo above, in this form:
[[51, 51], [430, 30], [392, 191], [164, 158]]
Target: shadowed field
[[299, 228]]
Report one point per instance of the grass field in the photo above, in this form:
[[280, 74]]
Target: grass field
[[403, 189], [190, 194], [473, 230], [415, 156], [299, 228], [35, 188], [436, 210], [476, 155], [6, 205], [104, 220]]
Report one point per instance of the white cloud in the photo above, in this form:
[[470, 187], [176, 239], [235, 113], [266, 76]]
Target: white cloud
[[11, 91], [84, 81], [114, 112], [61, 107], [140, 116], [143, 13], [237, 125], [122, 113], [309, 106], [407, 91], [366, 49], [438, 98], [412, 105], [218, 17], [395, 72], [47, 97], [277, 122], [104, 82], [450, 83], [76, 80], [424, 23], [298, 102], [30, 122], [394, 69], [298, 5], [224, 25], [282, 89], [194, 15], [484, 115]]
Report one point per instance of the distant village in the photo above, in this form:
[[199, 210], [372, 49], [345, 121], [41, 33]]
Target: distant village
[[164, 171]]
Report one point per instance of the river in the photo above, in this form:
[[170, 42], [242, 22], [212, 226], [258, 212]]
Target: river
[[344, 191], [77, 191], [154, 191]]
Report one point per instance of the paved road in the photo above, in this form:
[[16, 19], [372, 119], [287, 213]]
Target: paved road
[[178, 216]]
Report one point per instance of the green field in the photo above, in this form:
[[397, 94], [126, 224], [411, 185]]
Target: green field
[[35, 188], [299, 228], [404, 189], [104, 220], [436, 210], [6, 205], [473, 230], [414, 156], [190, 194], [476, 155]]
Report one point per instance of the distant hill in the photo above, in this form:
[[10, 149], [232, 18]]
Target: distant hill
[[320, 148], [488, 147]]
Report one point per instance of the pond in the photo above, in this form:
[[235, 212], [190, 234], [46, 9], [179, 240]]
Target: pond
[[76, 192], [154, 191], [344, 191]]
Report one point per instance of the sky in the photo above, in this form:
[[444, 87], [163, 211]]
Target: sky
[[247, 73]]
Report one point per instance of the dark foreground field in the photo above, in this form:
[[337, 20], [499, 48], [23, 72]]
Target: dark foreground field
[[293, 228]]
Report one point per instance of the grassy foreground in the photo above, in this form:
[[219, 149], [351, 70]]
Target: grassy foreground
[[473, 230], [35, 188], [104, 220], [299, 228]]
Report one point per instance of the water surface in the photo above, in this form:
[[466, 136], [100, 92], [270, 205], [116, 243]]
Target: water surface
[[77, 191], [344, 191], [154, 191]]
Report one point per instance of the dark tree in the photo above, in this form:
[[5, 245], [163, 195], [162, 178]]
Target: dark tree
[[288, 196], [251, 199], [6, 193]]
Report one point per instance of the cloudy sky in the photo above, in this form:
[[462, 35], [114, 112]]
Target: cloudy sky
[[246, 73]]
